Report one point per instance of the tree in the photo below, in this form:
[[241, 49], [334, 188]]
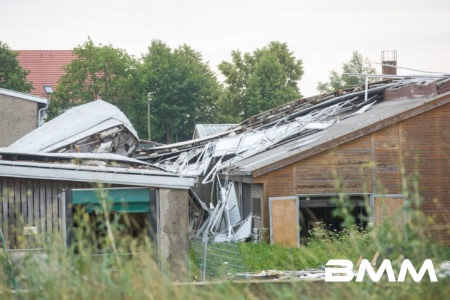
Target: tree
[[12, 75], [183, 90], [258, 81], [97, 72], [356, 65]]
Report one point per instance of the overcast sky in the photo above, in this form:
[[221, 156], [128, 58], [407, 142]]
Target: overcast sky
[[321, 33]]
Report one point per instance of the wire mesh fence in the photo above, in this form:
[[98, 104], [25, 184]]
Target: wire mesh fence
[[217, 260]]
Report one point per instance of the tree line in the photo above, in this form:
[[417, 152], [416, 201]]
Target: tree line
[[181, 88]]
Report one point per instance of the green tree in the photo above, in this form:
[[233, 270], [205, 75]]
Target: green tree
[[259, 81], [356, 65], [97, 72], [183, 90], [12, 75]]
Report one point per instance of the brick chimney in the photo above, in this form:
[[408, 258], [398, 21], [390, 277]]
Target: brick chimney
[[389, 62]]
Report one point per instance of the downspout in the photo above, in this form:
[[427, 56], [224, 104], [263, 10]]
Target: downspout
[[48, 91], [39, 120]]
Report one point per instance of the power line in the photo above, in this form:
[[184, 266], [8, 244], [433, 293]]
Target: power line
[[410, 69]]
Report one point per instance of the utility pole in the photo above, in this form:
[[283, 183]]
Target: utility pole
[[149, 99]]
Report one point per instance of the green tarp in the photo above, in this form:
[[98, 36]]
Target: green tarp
[[119, 200]]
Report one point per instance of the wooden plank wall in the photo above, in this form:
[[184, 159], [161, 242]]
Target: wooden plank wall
[[278, 183], [425, 144], [29, 202], [345, 169], [389, 208]]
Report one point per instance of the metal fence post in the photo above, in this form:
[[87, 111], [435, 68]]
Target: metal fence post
[[205, 253]]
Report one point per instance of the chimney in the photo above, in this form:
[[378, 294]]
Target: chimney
[[389, 62]]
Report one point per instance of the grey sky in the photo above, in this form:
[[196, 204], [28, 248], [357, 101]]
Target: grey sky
[[321, 33]]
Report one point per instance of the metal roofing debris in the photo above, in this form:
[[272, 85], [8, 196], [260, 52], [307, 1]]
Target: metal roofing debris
[[100, 159], [296, 125], [93, 127], [93, 174], [88, 143], [224, 220], [22, 96], [205, 130], [345, 130]]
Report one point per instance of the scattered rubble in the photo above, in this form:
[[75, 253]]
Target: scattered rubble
[[309, 274]]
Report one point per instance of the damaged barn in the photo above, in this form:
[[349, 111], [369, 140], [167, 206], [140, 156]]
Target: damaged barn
[[262, 158], [276, 171]]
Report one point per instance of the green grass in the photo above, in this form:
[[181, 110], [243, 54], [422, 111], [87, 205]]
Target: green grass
[[382, 242]]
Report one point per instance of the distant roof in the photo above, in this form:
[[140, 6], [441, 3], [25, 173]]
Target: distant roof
[[204, 130], [22, 96], [73, 125], [45, 66]]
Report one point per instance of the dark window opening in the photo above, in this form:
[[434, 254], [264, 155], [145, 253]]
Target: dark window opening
[[126, 227], [324, 211], [132, 214], [256, 207], [245, 200]]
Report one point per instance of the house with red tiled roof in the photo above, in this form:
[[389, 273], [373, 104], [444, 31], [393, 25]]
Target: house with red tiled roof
[[45, 66]]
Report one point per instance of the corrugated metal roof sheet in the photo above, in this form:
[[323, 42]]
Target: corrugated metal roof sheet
[[111, 175], [45, 66], [73, 125], [204, 130], [110, 157], [23, 96]]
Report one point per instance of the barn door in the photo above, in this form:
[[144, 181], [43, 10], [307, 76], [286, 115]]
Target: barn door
[[284, 221], [389, 208]]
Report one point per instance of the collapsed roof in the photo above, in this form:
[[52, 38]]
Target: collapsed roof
[[293, 128], [96, 127], [89, 168], [88, 143]]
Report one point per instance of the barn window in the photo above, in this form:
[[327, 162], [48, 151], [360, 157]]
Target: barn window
[[324, 210]]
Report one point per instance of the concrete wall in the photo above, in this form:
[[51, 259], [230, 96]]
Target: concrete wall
[[17, 118], [173, 243]]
